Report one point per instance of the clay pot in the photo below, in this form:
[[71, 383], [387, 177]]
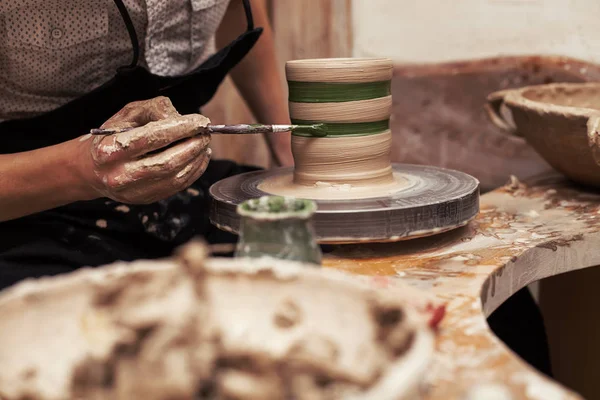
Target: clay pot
[[560, 121], [351, 97], [91, 315]]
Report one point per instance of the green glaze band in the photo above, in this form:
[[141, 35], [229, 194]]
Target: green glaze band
[[344, 129], [319, 92]]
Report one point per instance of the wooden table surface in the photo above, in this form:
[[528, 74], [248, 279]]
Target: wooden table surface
[[524, 232]]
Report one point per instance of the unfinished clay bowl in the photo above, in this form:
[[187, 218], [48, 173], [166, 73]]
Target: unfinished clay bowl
[[156, 329], [560, 121]]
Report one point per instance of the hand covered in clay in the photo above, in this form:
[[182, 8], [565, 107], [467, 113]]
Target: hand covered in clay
[[164, 153]]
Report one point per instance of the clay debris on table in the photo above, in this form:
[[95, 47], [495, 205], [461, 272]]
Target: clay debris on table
[[181, 329]]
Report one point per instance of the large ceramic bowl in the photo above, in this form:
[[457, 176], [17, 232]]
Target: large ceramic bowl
[[560, 121], [52, 327]]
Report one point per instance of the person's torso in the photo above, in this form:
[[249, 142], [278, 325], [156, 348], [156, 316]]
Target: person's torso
[[53, 51]]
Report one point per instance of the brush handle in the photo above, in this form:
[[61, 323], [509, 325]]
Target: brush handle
[[108, 131], [317, 130], [240, 129]]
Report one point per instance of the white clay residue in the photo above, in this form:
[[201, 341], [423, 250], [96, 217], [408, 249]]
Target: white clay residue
[[188, 168], [107, 148], [122, 208], [343, 186], [193, 192], [490, 391]]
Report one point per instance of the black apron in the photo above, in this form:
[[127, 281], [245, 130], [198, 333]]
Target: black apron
[[97, 232]]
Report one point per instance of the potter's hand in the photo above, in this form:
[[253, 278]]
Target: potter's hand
[[164, 153], [139, 113]]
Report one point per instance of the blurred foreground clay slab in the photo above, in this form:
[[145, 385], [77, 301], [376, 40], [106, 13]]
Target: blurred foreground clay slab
[[438, 115]]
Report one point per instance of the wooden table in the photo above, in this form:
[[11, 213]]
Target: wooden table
[[524, 232]]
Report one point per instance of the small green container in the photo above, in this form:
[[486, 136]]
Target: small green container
[[278, 227]]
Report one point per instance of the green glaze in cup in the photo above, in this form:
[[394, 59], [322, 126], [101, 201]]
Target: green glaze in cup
[[278, 227]]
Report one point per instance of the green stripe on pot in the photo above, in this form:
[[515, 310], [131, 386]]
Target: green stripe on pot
[[335, 129], [319, 92]]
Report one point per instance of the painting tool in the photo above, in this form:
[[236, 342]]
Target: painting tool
[[318, 130]]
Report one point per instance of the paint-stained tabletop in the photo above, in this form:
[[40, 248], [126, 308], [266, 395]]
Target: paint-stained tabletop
[[524, 232]]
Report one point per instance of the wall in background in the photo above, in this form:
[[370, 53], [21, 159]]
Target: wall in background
[[439, 30]]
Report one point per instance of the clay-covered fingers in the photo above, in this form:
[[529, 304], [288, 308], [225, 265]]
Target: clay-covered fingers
[[153, 161], [186, 177], [159, 165], [154, 187], [139, 113], [149, 138]]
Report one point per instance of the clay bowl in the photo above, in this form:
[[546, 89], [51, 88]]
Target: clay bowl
[[561, 121], [65, 310]]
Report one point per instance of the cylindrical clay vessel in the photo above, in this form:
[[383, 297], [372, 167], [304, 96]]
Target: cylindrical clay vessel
[[352, 97]]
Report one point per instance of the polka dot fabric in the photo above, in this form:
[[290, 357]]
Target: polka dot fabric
[[53, 51]]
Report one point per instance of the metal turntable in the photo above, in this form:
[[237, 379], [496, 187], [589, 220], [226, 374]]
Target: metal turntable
[[433, 200]]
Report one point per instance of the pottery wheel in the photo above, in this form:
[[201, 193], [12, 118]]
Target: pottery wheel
[[430, 200]]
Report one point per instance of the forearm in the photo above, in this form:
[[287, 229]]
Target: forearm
[[257, 76], [39, 180]]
